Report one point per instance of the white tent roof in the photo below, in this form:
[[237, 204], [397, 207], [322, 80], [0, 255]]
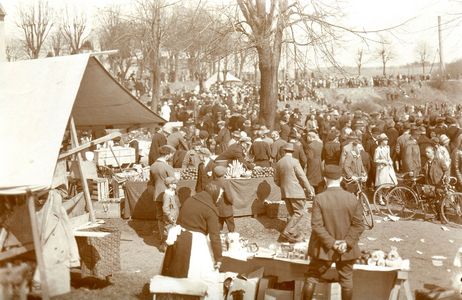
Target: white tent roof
[[219, 77], [36, 100]]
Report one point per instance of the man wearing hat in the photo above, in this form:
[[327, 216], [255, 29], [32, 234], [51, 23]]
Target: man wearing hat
[[225, 204], [265, 131], [261, 151], [401, 142], [411, 155], [295, 188], [237, 151], [424, 141], [336, 226], [235, 136], [223, 137], [157, 141], [160, 170], [284, 131]]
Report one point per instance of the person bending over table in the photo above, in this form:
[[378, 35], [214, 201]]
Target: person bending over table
[[191, 254], [336, 225]]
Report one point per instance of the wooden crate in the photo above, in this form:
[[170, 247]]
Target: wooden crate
[[99, 189], [109, 209], [124, 155]]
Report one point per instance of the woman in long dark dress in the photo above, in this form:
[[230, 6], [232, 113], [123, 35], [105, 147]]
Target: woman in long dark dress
[[196, 253]]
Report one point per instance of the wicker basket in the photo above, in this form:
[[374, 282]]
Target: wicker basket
[[276, 210], [100, 256]]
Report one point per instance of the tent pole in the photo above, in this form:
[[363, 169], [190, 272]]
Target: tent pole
[[37, 245], [86, 190]]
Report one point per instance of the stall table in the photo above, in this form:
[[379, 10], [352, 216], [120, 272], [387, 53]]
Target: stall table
[[379, 282], [248, 196]]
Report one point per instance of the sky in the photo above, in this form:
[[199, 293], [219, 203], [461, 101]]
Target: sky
[[419, 16]]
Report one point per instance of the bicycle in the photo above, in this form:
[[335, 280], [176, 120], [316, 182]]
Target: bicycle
[[379, 196], [403, 200], [445, 202], [368, 217]]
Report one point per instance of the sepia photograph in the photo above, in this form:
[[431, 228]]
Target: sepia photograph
[[231, 149]]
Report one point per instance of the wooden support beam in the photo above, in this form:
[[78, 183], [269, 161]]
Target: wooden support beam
[[86, 190], [37, 245], [83, 147]]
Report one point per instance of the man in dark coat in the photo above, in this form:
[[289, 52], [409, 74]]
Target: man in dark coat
[[237, 151], [223, 137], [261, 151], [158, 140], [295, 188], [392, 134], [314, 161], [225, 204], [336, 225]]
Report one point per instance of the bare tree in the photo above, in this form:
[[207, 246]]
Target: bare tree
[[57, 40], [115, 32], [359, 60], [74, 27], [423, 51], [14, 50], [35, 21], [385, 54]]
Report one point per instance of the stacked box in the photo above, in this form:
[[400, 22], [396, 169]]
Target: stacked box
[[99, 189], [111, 208]]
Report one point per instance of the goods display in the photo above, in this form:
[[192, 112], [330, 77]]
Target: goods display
[[188, 174], [262, 172], [235, 170], [117, 156], [380, 258]]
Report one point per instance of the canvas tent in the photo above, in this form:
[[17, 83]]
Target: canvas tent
[[219, 77], [37, 98]]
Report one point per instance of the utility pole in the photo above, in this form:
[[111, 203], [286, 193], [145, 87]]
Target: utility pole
[[440, 42]]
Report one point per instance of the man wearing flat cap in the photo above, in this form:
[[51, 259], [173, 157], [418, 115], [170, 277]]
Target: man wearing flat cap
[[295, 189], [336, 225]]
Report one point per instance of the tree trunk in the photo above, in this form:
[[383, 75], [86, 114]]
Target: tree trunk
[[268, 65], [155, 58], [177, 64]]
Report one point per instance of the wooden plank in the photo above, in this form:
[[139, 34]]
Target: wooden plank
[[80, 220], [16, 251], [80, 148], [37, 246], [86, 191], [91, 233]]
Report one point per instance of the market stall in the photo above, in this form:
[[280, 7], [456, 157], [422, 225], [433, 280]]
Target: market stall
[[40, 100], [248, 195]]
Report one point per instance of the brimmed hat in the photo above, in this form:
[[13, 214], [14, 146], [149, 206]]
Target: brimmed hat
[[375, 130], [247, 123], [170, 180], [444, 139], [236, 134], [264, 129], [382, 137], [289, 147], [245, 139], [221, 122], [332, 172]]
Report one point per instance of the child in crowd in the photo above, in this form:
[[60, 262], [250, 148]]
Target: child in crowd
[[170, 209]]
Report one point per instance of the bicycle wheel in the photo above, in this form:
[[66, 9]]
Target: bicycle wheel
[[402, 202], [368, 217], [451, 209], [380, 194]]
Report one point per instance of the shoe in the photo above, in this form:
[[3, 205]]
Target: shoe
[[382, 203]]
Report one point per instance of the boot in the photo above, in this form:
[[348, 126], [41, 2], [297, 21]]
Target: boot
[[347, 294], [308, 290]]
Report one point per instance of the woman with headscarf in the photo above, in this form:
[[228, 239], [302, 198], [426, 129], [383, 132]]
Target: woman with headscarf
[[191, 254]]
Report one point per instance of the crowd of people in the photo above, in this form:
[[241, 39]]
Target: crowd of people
[[310, 153]]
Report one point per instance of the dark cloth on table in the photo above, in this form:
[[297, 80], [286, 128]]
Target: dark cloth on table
[[199, 213]]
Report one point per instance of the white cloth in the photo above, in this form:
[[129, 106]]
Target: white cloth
[[202, 264], [165, 112], [385, 173]]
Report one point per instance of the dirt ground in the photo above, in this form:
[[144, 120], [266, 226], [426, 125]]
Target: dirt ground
[[141, 259]]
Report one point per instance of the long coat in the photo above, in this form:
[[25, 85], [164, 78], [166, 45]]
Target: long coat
[[411, 157], [435, 171], [289, 176], [337, 215], [160, 170], [385, 173], [158, 140], [314, 162]]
